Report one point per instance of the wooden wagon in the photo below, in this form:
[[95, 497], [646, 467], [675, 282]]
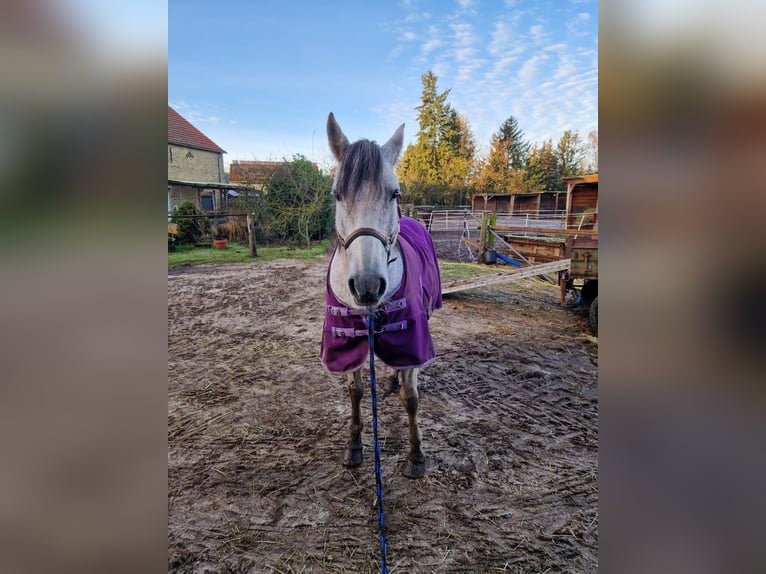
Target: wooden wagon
[[576, 241]]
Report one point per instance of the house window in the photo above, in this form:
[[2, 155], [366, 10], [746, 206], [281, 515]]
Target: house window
[[189, 156], [206, 201]]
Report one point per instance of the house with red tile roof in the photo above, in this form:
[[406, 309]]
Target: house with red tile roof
[[257, 173], [195, 166]]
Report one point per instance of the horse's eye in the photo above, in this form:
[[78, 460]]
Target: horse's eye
[[396, 194], [336, 195]]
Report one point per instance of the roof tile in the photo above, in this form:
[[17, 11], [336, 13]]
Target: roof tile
[[182, 132]]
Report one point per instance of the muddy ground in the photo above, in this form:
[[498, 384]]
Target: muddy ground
[[256, 430]]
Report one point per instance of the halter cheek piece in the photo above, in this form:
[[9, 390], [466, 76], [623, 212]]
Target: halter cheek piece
[[388, 242]]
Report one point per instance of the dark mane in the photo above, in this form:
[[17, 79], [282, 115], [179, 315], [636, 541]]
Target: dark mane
[[361, 162]]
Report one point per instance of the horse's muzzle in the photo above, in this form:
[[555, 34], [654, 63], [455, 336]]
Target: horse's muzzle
[[367, 290]]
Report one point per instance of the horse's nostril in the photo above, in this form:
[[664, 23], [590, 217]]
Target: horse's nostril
[[367, 289]]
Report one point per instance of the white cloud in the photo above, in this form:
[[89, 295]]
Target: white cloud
[[500, 38], [433, 42], [463, 34], [560, 47], [501, 67], [413, 17], [529, 69], [465, 53], [538, 34], [566, 67], [576, 24]]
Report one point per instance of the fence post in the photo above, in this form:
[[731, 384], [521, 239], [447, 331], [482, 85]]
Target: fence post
[[483, 233], [251, 234]]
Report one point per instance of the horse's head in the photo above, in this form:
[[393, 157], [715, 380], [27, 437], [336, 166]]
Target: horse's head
[[366, 210]]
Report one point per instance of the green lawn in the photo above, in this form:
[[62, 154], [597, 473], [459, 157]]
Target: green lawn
[[236, 253], [454, 271]]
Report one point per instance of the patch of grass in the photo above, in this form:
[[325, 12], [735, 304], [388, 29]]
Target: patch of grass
[[236, 253], [454, 271]]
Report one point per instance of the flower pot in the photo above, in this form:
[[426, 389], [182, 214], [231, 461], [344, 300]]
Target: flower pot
[[221, 243]]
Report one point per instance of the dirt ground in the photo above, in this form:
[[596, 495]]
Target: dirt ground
[[257, 428]]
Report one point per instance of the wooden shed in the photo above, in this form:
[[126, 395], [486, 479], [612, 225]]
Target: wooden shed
[[540, 203], [497, 202], [582, 202]]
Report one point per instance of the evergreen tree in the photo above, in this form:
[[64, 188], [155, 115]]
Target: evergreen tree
[[436, 169], [502, 171], [516, 148], [459, 146], [570, 152], [542, 172]]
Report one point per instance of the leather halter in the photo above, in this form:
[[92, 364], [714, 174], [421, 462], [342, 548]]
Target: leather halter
[[388, 242]]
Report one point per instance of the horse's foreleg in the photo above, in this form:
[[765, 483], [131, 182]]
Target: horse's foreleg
[[415, 464], [353, 454], [391, 381]]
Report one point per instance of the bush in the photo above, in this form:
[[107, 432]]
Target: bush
[[190, 230], [299, 203]]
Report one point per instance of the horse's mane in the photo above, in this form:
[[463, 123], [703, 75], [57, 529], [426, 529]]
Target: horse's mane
[[361, 162]]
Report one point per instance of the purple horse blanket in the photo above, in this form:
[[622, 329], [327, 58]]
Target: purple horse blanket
[[402, 338]]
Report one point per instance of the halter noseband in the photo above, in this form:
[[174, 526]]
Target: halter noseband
[[388, 242]]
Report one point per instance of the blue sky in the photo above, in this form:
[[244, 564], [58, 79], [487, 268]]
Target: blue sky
[[260, 77]]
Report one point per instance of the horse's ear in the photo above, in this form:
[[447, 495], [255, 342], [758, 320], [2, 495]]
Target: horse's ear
[[393, 147], [335, 136]]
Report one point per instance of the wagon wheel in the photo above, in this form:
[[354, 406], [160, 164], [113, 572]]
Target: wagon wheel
[[593, 315], [588, 292], [566, 285]]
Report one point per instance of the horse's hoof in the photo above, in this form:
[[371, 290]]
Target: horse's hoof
[[352, 457], [413, 469]]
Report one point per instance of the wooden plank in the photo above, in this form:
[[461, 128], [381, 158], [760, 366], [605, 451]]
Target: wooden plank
[[529, 257], [505, 276], [547, 230], [473, 244]]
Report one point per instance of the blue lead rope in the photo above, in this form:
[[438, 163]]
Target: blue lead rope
[[378, 474]]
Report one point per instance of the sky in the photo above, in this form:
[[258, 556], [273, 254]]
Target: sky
[[260, 77]]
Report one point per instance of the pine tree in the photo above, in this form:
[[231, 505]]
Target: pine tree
[[502, 171], [570, 152], [542, 172], [511, 136], [457, 151], [436, 169]]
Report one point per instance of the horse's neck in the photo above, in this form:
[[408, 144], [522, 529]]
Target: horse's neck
[[339, 276]]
